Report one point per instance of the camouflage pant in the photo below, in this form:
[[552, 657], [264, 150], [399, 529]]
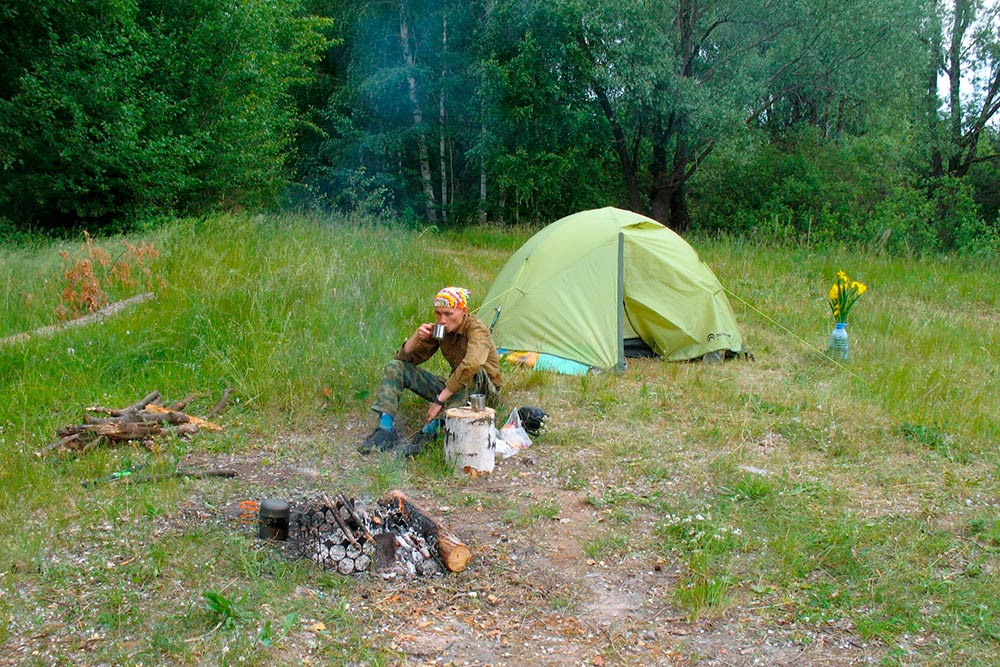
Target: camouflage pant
[[400, 375]]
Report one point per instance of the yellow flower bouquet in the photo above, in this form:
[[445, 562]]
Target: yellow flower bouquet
[[843, 295]]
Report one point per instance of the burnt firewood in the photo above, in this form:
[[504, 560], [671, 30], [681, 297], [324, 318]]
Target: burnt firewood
[[454, 553], [334, 513], [349, 506]]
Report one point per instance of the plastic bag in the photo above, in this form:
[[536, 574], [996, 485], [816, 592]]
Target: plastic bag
[[512, 437]]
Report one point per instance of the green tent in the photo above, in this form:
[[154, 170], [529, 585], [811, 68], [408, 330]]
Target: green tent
[[587, 286]]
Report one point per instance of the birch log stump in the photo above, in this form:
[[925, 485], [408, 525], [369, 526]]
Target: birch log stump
[[470, 441]]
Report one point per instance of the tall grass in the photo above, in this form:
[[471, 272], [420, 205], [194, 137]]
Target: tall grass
[[926, 333], [862, 494]]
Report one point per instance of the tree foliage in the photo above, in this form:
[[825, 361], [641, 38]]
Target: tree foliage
[[114, 111], [868, 121]]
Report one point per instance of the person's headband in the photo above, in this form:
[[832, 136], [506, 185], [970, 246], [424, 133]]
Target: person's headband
[[452, 297]]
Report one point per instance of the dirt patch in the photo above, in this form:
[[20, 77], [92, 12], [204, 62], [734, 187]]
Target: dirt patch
[[531, 595]]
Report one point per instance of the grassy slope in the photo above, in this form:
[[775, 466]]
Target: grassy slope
[[878, 509]]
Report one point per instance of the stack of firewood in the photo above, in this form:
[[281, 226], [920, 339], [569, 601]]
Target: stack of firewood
[[334, 534]]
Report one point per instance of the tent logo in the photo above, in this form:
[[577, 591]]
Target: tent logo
[[721, 334]]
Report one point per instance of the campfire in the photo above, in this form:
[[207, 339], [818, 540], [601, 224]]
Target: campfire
[[391, 537]]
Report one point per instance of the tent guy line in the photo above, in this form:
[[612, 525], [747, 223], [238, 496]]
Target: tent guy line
[[792, 333]]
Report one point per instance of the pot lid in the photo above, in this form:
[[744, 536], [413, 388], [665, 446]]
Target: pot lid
[[274, 507]]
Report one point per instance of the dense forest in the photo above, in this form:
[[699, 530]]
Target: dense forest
[[867, 122]]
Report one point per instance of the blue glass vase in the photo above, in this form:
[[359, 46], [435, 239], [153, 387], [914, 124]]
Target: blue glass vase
[[836, 347]]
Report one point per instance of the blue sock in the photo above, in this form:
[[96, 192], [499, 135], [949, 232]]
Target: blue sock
[[386, 421], [431, 426]]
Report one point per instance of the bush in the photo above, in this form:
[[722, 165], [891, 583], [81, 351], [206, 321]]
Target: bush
[[816, 191], [110, 113]]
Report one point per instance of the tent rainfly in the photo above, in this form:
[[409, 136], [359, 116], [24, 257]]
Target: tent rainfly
[[592, 284]]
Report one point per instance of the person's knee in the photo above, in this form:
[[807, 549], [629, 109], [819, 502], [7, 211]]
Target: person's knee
[[394, 367]]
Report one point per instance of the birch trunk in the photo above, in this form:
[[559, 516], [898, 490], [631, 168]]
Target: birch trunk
[[470, 441], [418, 118], [443, 120]]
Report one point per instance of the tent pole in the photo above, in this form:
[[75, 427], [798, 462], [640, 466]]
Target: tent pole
[[621, 302]]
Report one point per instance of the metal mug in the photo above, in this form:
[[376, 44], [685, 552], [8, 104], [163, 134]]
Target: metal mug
[[478, 402], [439, 331]]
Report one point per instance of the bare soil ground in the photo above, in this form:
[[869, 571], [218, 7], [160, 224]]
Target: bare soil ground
[[531, 596]]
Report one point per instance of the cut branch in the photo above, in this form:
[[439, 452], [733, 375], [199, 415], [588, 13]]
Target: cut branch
[[218, 407]]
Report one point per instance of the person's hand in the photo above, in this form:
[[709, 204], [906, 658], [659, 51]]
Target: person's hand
[[425, 331], [434, 411]]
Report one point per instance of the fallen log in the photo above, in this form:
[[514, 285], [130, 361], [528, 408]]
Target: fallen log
[[454, 553], [96, 316]]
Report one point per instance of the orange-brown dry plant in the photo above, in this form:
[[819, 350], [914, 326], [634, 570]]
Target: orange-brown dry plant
[[91, 275]]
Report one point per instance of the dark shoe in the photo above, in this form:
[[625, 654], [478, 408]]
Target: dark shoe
[[381, 440], [417, 444]]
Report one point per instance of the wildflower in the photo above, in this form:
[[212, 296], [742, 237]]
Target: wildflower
[[843, 294]]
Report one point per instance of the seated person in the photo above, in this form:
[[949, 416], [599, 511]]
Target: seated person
[[475, 368]]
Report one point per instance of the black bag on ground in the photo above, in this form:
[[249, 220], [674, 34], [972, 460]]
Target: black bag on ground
[[532, 418]]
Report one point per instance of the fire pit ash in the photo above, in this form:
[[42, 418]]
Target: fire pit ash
[[392, 537]]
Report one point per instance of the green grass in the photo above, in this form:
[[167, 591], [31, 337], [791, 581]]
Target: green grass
[[811, 493]]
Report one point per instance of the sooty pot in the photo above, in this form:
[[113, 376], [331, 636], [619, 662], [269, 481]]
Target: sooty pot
[[273, 520]]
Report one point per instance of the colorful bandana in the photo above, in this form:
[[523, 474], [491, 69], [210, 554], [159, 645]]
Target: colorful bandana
[[452, 297]]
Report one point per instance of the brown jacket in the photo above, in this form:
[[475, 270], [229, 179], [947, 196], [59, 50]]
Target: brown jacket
[[467, 350]]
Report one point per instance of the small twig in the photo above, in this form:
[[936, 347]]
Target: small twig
[[129, 476], [796, 658], [200, 637], [611, 643], [195, 474], [217, 408]]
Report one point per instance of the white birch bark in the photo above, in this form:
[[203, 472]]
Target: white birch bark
[[418, 118]]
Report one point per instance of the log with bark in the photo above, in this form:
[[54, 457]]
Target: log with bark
[[454, 553], [470, 441], [142, 421]]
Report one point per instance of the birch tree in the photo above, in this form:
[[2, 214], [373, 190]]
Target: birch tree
[[418, 116]]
